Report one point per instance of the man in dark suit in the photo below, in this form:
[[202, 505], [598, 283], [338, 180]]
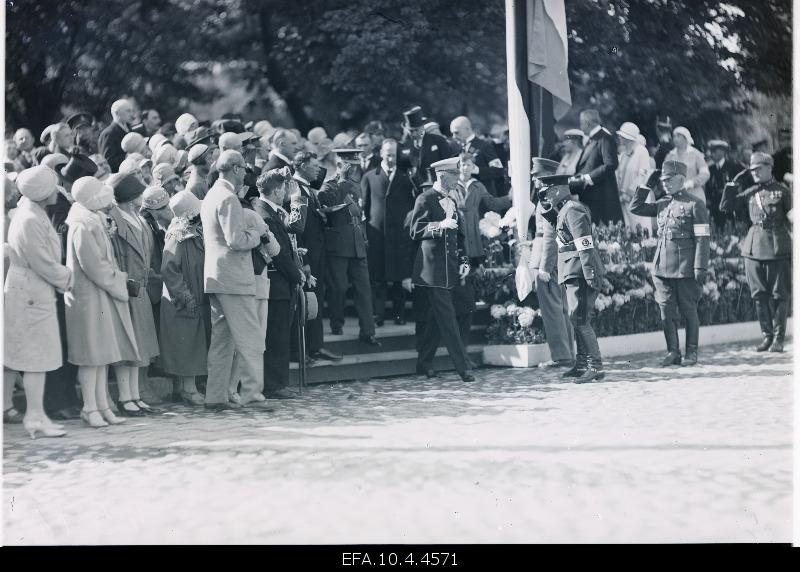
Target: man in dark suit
[[284, 146], [722, 170], [346, 244], [418, 149], [109, 144], [488, 167], [439, 266], [308, 224], [369, 158], [595, 180], [388, 198], [284, 276]]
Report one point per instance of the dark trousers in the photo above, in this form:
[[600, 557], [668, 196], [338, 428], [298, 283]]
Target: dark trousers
[[580, 298], [342, 271], [379, 295], [314, 335], [276, 355], [769, 278], [442, 324], [674, 295], [59, 385]]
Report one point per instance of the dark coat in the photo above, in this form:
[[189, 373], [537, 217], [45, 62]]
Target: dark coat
[[109, 145], [308, 223], [767, 203], [345, 232], [599, 160], [284, 270], [276, 162], [391, 251], [433, 148], [490, 168], [440, 253], [716, 184]]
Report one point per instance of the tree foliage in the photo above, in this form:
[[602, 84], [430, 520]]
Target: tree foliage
[[342, 62]]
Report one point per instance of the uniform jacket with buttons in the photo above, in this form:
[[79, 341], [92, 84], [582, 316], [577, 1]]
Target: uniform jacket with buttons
[[683, 232], [767, 203], [577, 255], [345, 233], [439, 256]]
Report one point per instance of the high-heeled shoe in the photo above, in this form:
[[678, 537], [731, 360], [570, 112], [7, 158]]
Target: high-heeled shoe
[[34, 426], [148, 409], [93, 419], [109, 416], [50, 423], [129, 412]]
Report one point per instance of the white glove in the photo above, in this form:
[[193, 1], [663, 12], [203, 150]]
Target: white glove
[[543, 276], [407, 284], [449, 223]]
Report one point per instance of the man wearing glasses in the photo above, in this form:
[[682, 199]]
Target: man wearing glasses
[[767, 248], [680, 262]]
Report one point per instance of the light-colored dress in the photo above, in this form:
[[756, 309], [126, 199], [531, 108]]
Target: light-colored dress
[[632, 172], [35, 273], [569, 163]]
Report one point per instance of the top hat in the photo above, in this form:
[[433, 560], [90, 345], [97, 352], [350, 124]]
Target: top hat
[[413, 117], [80, 118]]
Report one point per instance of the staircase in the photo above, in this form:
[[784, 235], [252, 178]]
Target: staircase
[[396, 356]]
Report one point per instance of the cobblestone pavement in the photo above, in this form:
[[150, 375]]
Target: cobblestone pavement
[[699, 454]]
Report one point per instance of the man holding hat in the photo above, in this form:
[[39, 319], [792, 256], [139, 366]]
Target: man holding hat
[[767, 248], [438, 266], [721, 171], [632, 171], [346, 244], [418, 149], [579, 269], [199, 166], [680, 263], [543, 264]]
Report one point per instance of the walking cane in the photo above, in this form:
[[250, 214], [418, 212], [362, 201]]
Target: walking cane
[[301, 337]]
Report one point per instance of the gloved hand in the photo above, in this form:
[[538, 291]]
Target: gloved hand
[[700, 275], [543, 276], [407, 284], [449, 223], [463, 271], [653, 180], [576, 184]]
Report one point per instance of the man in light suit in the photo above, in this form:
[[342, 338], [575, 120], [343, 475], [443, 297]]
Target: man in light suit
[[231, 286], [595, 180], [109, 144]]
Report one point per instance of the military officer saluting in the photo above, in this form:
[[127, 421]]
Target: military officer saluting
[[767, 248], [346, 244], [439, 266], [681, 259], [579, 269]]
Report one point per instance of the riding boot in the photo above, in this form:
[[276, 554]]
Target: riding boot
[[579, 367], [673, 356], [692, 341], [765, 319], [594, 370], [781, 311]]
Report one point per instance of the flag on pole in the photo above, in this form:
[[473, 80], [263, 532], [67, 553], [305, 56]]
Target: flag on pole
[[538, 94]]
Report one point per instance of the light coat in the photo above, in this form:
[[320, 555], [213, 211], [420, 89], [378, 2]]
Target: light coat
[[99, 327], [35, 273]]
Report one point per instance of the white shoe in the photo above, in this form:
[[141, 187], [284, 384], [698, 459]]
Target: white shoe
[[234, 397], [259, 397]]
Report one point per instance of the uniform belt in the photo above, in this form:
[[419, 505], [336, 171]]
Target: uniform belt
[[674, 235], [539, 234], [567, 248], [770, 225]]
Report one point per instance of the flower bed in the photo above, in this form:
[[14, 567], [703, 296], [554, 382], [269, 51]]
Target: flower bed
[[626, 303]]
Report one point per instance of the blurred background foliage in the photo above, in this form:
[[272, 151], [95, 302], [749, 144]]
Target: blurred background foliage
[[712, 66]]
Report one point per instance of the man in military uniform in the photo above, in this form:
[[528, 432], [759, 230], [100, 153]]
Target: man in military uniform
[[681, 259], [579, 269], [543, 264], [346, 244], [438, 267], [767, 248]]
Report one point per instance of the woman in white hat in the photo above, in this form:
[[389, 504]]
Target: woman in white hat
[[185, 313], [35, 274], [697, 173], [632, 171], [99, 327]]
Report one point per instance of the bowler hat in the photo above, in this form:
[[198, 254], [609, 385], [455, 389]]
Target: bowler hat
[[413, 117], [199, 135]]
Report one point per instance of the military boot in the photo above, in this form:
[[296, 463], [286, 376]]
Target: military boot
[[692, 341], [673, 356], [579, 367], [691, 355], [779, 326], [594, 371], [765, 320]]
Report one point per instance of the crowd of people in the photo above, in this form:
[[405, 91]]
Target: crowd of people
[[203, 248]]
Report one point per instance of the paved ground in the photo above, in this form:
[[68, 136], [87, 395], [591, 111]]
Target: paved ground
[[697, 454]]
